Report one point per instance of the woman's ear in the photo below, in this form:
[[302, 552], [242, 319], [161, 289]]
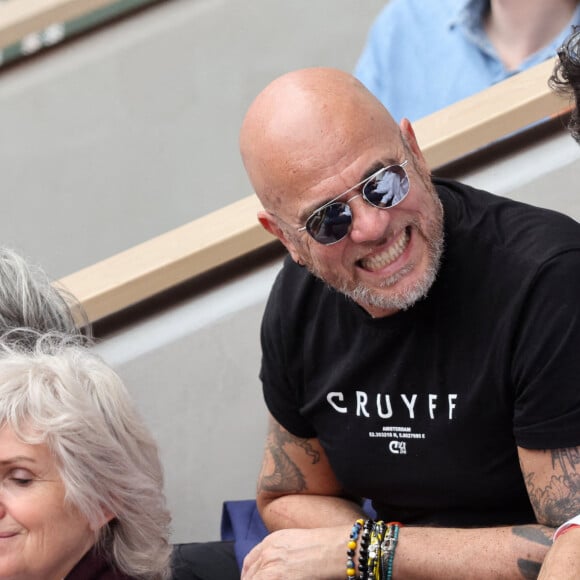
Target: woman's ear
[[270, 223], [104, 520]]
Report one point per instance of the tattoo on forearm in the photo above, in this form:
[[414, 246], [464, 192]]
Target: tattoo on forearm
[[536, 534], [528, 569], [560, 499], [286, 475], [539, 535]]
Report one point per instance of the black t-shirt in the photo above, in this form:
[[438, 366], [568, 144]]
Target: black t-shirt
[[422, 411]]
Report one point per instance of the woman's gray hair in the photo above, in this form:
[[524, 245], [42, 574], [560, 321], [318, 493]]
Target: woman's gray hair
[[57, 392], [28, 299]]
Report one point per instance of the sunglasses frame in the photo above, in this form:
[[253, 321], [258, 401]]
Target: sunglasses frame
[[361, 186]]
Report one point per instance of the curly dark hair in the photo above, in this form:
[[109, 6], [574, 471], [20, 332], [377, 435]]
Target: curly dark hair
[[565, 77]]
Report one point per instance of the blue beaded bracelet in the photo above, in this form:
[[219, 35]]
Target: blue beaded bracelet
[[389, 546]]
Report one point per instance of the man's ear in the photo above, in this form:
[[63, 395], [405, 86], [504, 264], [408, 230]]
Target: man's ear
[[270, 224], [409, 135]]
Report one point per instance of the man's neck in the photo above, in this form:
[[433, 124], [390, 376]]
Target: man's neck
[[519, 28]]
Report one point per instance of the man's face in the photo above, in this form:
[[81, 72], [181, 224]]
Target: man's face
[[390, 257]]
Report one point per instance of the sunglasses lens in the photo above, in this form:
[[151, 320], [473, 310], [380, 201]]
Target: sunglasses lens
[[388, 188], [385, 189], [330, 224]]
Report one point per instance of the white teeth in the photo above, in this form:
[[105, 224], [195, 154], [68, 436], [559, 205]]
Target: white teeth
[[393, 252]]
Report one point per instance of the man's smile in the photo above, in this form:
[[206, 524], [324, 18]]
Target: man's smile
[[392, 253]]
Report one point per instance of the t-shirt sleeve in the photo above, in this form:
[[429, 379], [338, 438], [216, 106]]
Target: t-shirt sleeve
[[575, 521], [546, 358], [280, 357]]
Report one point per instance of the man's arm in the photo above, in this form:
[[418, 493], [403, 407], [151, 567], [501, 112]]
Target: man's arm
[[297, 487], [553, 485], [302, 503], [553, 481]]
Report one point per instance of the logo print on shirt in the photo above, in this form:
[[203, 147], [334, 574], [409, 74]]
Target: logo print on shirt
[[398, 447], [386, 407]]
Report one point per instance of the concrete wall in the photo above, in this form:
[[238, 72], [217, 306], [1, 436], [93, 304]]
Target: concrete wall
[[193, 370], [544, 174], [131, 131]]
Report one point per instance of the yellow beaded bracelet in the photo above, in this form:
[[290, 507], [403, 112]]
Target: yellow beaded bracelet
[[351, 549]]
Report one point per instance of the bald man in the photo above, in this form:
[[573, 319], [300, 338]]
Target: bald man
[[420, 349]]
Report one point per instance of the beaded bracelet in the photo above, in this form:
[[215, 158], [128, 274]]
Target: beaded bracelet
[[364, 549], [375, 551], [351, 549], [389, 546]]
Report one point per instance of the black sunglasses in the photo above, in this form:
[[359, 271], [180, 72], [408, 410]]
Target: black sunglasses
[[331, 222]]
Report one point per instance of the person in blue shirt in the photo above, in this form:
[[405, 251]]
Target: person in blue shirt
[[423, 55]]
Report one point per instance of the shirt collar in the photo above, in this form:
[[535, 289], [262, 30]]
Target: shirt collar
[[469, 17], [469, 14]]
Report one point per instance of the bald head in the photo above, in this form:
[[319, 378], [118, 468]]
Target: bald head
[[304, 124]]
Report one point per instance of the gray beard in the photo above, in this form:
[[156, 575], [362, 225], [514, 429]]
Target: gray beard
[[403, 300], [408, 297]]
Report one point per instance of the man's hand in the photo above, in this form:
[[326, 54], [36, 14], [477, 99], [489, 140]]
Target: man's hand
[[298, 554]]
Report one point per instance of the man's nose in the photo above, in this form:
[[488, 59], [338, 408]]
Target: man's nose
[[369, 223]]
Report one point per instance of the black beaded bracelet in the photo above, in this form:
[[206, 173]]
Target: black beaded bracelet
[[364, 549]]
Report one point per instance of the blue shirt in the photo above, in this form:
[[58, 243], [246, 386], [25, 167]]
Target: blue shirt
[[423, 55]]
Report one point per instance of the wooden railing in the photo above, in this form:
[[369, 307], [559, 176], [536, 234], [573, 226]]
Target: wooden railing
[[27, 26], [159, 264]]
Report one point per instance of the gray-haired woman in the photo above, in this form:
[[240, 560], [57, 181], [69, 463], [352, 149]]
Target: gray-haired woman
[[80, 477]]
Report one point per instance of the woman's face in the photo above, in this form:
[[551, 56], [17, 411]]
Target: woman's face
[[41, 538]]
